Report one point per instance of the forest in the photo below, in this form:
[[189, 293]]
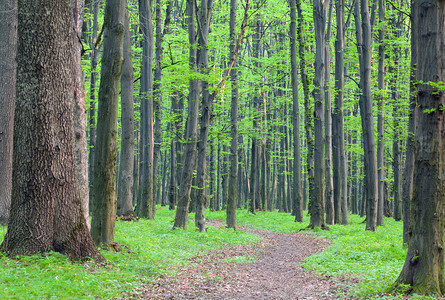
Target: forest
[[222, 149]]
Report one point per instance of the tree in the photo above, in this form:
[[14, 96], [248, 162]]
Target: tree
[[297, 192], [8, 44], [125, 181], [104, 177], [46, 212], [338, 126], [233, 177], [192, 126], [144, 207], [365, 50], [317, 190], [423, 270]]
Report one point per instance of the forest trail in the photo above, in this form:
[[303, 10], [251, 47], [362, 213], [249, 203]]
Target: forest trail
[[270, 269]]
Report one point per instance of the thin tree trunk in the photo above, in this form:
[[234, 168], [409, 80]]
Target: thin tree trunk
[[329, 196], [8, 51], [233, 177], [144, 207], [381, 116], [126, 167], [192, 127]]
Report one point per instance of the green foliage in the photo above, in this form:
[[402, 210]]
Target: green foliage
[[150, 248]]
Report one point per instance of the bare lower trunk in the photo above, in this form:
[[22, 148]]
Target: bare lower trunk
[[423, 270], [8, 48], [104, 178], [192, 128], [125, 186], [46, 199]]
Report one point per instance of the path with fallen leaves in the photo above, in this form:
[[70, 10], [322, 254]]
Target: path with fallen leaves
[[270, 269]]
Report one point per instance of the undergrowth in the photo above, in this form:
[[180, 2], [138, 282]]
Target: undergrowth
[[372, 259], [153, 248]]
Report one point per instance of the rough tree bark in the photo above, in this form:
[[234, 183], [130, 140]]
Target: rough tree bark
[[46, 211], [8, 48], [423, 270], [105, 155]]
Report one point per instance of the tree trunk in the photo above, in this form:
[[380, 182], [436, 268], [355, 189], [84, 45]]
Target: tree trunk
[[381, 116], [144, 207], [157, 94], [205, 14], [192, 127], [329, 196], [297, 190], [125, 186], [105, 155], [317, 189], [92, 110], [307, 104], [408, 171], [79, 114], [367, 120], [423, 270], [8, 50], [46, 198], [233, 177], [338, 127]]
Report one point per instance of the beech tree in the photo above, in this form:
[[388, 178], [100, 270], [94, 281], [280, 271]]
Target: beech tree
[[105, 155], [8, 44], [46, 211], [423, 270]]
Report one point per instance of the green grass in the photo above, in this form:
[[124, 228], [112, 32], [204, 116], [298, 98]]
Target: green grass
[[376, 258], [152, 248]]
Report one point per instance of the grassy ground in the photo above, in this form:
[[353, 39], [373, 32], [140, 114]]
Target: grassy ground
[[376, 258], [152, 247]]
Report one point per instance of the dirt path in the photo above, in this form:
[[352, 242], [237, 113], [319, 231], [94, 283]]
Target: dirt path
[[271, 270]]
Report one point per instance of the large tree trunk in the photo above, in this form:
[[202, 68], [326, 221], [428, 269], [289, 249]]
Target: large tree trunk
[[105, 156], [46, 198], [423, 270], [144, 207], [8, 48], [126, 179], [192, 127]]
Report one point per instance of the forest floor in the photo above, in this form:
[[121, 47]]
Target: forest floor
[[269, 269]]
